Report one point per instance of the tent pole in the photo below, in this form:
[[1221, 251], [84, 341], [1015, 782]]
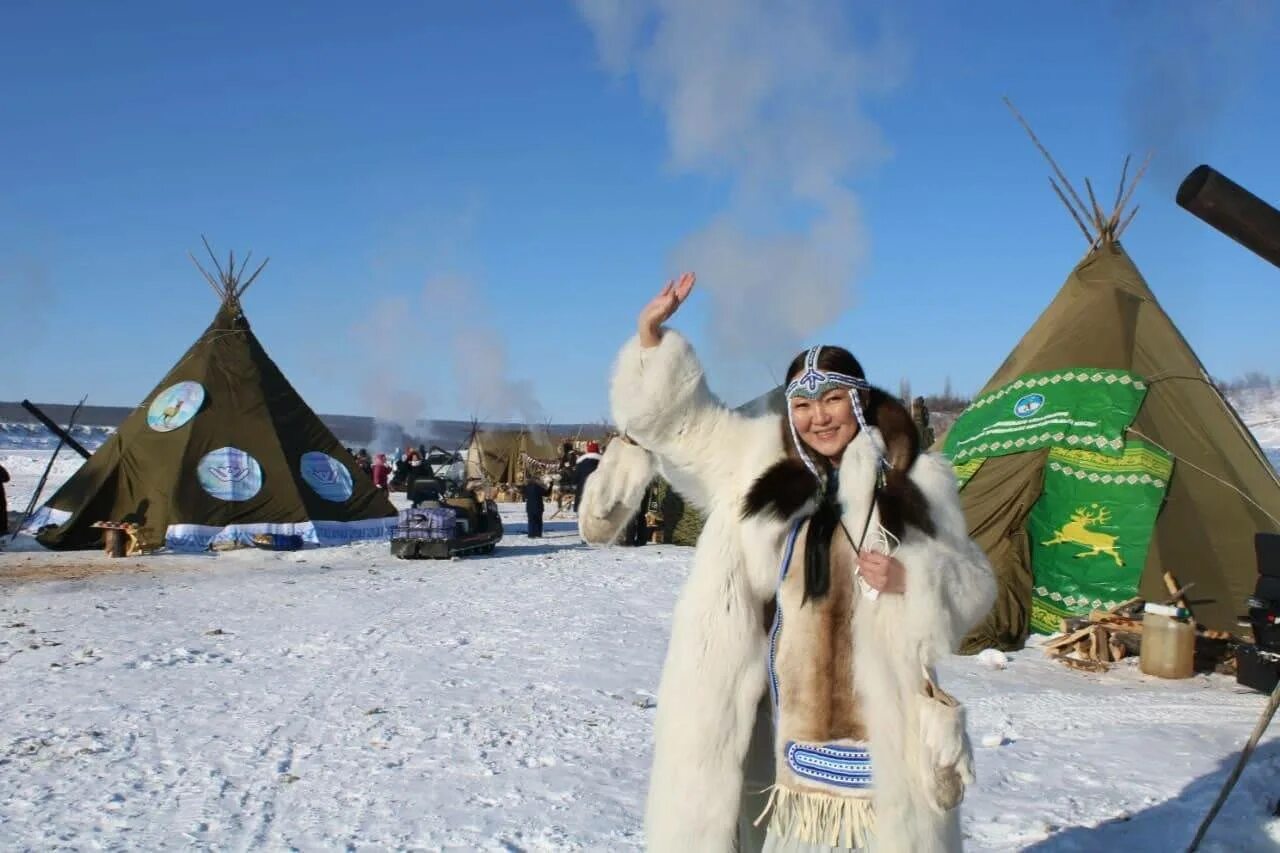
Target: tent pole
[[1263, 722], [1052, 163], [35, 496], [57, 430]]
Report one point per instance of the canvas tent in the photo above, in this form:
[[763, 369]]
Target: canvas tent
[[1100, 455], [497, 454], [222, 449], [500, 455]]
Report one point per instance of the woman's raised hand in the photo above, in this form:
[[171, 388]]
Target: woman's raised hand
[[661, 307]]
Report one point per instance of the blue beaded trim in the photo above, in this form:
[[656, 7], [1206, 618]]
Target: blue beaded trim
[[777, 615], [843, 766]]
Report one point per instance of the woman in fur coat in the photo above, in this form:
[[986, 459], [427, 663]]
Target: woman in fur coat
[[833, 570]]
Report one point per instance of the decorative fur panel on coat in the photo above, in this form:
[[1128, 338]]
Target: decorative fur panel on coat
[[717, 659], [854, 680]]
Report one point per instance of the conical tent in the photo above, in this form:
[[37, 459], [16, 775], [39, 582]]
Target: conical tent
[[1101, 447], [501, 455], [489, 454], [222, 449]]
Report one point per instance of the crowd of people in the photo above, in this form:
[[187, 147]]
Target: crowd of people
[[394, 471]]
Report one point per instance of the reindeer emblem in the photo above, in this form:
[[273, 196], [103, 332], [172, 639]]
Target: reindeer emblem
[[1077, 532]]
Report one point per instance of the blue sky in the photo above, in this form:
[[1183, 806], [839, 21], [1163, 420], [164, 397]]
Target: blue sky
[[465, 204]]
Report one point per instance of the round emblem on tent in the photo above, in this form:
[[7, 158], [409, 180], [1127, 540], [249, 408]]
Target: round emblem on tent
[[327, 476], [230, 474], [1028, 405], [174, 406]]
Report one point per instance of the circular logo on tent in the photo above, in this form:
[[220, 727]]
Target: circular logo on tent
[[1028, 405], [174, 406], [329, 478], [230, 474]]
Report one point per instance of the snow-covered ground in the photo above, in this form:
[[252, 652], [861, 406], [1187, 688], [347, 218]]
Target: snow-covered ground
[[342, 699], [339, 698]]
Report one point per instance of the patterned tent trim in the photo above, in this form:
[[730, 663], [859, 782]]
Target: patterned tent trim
[[1138, 458], [1108, 377], [1073, 601], [1030, 442], [1120, 479]]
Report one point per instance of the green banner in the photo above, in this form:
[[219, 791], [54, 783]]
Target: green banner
[[1080, 407], [1091, 528], [965, 470]]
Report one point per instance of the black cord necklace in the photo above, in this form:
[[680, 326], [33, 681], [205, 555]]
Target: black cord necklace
[[866, 523]]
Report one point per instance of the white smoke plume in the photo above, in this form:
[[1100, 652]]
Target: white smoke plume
[[770, 96], [481, 368], [1192, 62], [388, 437], [393, 393]]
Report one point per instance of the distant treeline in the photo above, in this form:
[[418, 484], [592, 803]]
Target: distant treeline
[[1253, 380], [354, 431]]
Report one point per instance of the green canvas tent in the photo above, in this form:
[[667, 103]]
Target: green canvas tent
[[1100, 456], [222, 449]]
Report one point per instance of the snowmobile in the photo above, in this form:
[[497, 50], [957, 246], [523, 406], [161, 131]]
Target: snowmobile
[[438, 527]]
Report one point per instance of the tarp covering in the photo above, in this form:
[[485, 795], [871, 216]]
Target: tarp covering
[[1091, 528], [1083, 407]]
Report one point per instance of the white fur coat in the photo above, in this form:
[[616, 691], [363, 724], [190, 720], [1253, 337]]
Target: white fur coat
[[715, 669]]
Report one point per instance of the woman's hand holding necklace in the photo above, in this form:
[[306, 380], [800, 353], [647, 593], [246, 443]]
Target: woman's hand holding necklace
[[882, 572]]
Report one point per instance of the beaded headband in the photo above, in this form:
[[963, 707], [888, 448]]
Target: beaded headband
[[811, 384]]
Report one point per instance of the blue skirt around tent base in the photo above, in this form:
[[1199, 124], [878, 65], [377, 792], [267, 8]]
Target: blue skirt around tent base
[[278, 541]]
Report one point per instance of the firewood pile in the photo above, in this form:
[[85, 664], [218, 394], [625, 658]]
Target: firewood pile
[[1093, 643]]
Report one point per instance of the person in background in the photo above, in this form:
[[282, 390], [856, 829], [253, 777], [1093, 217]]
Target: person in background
[[362, 459], [587, 464], [568, 463], [4, 507], [381, 471], [637, 532], [535, 495], [920, 417]]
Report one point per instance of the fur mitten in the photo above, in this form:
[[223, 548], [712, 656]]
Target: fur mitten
[[613, 492]]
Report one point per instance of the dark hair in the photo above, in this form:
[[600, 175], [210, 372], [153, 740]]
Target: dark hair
[[898, 498]]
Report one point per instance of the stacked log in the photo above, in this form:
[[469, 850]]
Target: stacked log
[[1093, 643]]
